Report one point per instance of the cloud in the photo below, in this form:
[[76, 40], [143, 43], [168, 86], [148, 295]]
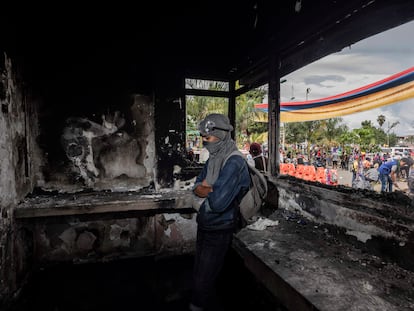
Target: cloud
[[323, 81], [365, 62]]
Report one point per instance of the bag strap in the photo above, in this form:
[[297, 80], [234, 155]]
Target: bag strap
[[264, 164], [235, 152]]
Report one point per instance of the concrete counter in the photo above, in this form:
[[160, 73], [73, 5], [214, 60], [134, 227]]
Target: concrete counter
[[309, 266]]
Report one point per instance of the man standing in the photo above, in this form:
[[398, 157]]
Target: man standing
[[410, 181], [222, 183], [260, 161], [405, 163]]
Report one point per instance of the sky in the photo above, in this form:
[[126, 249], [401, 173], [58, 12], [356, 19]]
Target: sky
[[362, 63]]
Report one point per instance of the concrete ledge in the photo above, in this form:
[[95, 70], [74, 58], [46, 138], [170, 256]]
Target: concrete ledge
[[102, 202], [309, 266]]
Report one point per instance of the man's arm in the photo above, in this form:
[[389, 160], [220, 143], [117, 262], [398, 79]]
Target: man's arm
[[227, 185]]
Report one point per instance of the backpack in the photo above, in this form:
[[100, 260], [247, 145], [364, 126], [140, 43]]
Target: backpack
[[254, 198]]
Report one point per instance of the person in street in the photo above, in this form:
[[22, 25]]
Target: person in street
[[372, 175], [355, 167], [386, 172], [221, 185], [405, 163], [260, 161], [408, 164], [410, 181]]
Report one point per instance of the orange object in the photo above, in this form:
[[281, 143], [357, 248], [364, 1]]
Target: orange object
[[299, 170], [283, 168], [321, 175], [309, 173], [291, 169]]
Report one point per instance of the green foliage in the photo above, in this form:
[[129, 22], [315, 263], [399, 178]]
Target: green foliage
[[332, 129], [252, 125], [247, 119], [198, 107], [393, 139], [381, 120]]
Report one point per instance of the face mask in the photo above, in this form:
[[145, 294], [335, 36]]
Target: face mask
[[213, 147]]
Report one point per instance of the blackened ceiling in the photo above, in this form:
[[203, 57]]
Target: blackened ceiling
[[118, 45]]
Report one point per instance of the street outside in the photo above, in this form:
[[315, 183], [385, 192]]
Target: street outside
[[345, 179]]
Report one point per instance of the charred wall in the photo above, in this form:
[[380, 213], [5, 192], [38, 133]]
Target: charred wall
[[78, 239], [170, 138], [119, 138], [384, 223], [111, 148], [81, 127], [19, 164]]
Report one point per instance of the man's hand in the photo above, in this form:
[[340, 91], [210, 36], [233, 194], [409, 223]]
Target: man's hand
[[203, 190]]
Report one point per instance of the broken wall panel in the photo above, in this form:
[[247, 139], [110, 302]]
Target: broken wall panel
[[98, 226], [73, 239]]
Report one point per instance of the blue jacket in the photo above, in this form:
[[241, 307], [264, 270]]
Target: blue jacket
[[385, 168], [220, 209]]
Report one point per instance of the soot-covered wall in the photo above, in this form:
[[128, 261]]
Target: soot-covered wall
[[111, 121], [111, 148], [20, 159], [119, 141]]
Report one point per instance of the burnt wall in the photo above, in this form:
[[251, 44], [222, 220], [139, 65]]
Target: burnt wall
[[20, 159], [382, 222], [83, 127], [80, 239], [170, 114], [117, 129], [111, 148]]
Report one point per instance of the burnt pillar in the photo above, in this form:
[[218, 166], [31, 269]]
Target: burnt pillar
[[170, 125], [232, 106], [274, 115]]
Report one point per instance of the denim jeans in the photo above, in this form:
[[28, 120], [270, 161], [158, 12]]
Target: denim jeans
[[385, 180], [211, 249]]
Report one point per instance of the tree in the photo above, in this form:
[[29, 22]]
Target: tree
[[298, 132], [247, 118], [332, 129], [366, 138], [381, 120], [367, 124], [348, 138]]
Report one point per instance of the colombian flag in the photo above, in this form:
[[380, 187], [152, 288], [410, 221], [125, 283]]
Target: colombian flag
[[388, 91]]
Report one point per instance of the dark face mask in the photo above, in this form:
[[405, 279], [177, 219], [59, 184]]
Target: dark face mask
[[213, 147]]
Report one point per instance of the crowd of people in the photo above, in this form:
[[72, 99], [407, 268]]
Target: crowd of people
[[384, 169], [367, 170]]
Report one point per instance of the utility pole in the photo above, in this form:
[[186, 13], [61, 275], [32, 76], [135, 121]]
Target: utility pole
[[389, 129], [307, 93]]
